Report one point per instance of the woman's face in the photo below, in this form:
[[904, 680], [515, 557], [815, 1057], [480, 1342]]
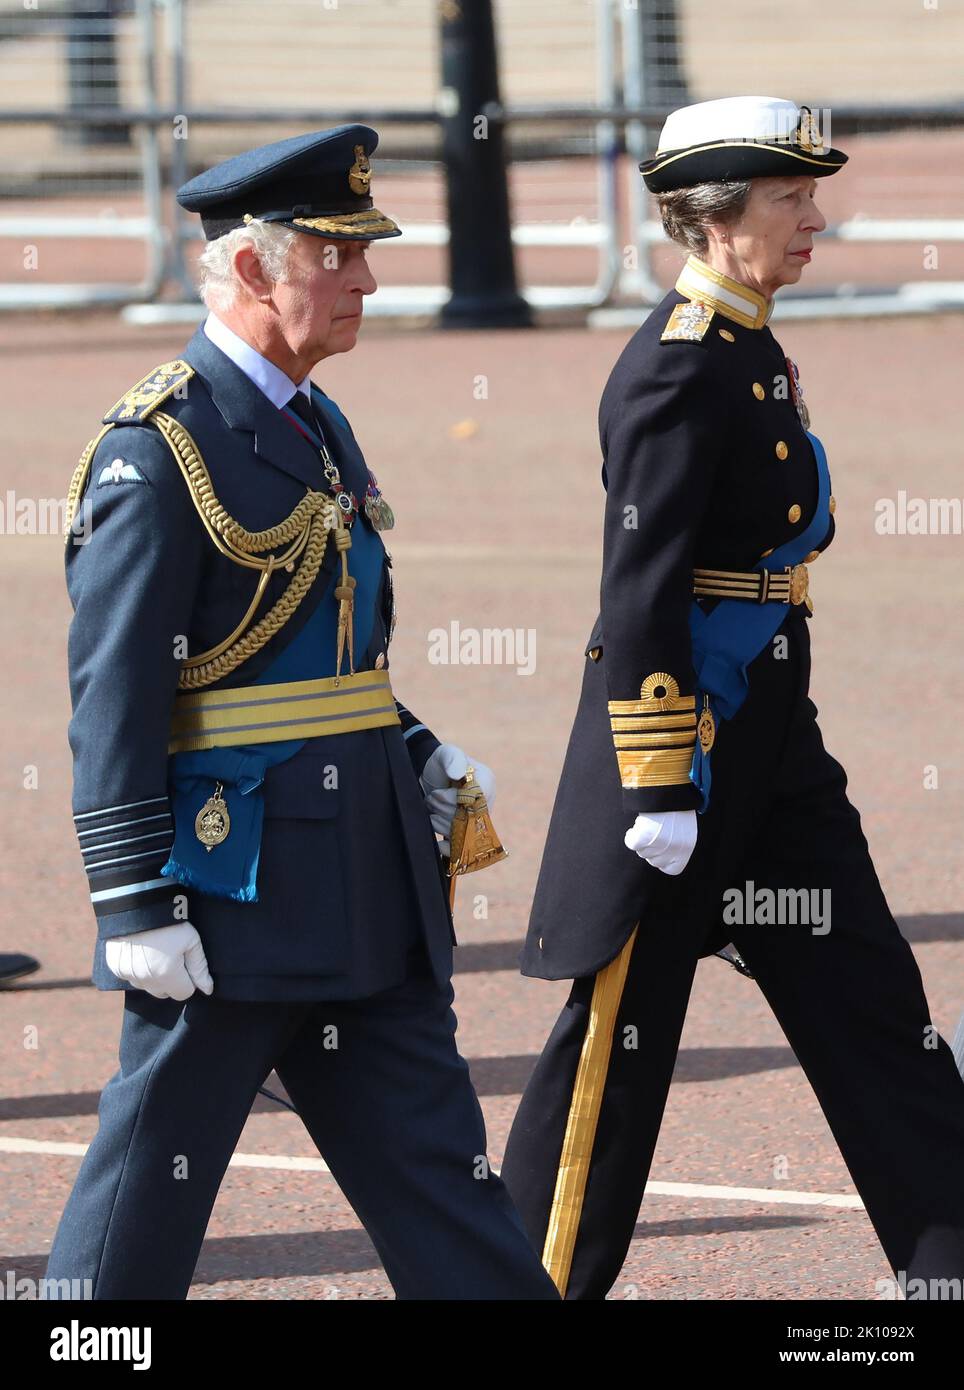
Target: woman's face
[[771, 243]]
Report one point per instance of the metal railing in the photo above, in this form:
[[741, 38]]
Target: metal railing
[[631, 75], [81, 38]]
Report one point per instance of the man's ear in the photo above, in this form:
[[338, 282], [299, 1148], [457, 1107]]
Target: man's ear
[[247, 267]]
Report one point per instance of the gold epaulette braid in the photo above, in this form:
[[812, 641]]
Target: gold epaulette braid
[[79, 478], [302, 535], [304, 532], [229, 535]]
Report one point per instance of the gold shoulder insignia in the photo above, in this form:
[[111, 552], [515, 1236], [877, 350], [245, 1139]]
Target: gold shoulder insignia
[[150, 391], [687, 323]]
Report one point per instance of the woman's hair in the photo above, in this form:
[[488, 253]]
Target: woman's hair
[[685, 211], [218, 283]]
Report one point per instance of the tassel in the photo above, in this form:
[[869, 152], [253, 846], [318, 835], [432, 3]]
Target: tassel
[[345, 594], [473, 841]]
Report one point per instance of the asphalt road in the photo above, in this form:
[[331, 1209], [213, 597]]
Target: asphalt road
[[498, 504]]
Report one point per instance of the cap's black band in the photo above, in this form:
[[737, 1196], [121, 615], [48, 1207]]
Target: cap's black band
[[721, 160]]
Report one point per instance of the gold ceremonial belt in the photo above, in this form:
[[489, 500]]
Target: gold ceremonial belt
[[788, 585], [272, 713]]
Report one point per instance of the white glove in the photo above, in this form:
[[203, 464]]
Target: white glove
[[666, 840], [445, 765], [167, 962]]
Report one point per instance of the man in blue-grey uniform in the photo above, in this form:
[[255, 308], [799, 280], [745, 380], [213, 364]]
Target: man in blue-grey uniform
[[254, 807]]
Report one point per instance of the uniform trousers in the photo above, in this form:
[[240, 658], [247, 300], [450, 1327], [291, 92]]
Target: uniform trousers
[[381, 1089], [849, 999]]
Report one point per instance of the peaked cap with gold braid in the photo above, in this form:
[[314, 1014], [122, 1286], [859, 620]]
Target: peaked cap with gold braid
[[318, 183]]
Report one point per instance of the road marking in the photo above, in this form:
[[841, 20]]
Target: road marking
[[288, 1162], [764, 1196]]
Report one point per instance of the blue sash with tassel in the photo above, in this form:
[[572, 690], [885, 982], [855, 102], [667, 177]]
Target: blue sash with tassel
[[728, 639], [230, 869]]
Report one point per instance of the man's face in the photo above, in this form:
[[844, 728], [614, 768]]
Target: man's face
[[320, 304]]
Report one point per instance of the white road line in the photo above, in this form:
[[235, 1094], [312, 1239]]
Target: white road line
[[767, 1196], [763, 1196], [52, 1147]]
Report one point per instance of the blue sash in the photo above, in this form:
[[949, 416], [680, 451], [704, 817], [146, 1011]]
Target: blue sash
[[230, 869], [728, 639]]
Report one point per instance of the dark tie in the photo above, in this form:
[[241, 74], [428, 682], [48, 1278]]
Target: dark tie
[[300, 404]]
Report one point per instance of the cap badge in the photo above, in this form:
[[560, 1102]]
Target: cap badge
[[807, 134], [360, 173]]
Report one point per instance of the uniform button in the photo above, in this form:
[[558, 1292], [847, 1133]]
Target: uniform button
[[794, 514], [725, 333], [782, 449], [540, 943], [758, 391], [809, 559], [833, 505], [379, 661]]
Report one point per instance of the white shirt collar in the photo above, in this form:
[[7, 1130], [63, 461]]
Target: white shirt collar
[[276, 385]]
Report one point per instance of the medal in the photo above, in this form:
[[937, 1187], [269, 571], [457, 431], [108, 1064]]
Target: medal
[[706, 728], [347, 504], [796, 391], [212, 822], [377, 510], [345, 499]]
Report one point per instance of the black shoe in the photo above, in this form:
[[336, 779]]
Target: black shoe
[[13, 966]]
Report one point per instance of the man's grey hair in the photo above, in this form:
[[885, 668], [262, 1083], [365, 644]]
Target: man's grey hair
[[219, 281], [686, 211]]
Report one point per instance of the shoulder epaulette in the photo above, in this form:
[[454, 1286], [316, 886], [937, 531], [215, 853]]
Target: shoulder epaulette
[[687, 323], [150, 391]]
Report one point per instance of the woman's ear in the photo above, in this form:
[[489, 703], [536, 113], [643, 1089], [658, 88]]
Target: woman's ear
[[716, 232]]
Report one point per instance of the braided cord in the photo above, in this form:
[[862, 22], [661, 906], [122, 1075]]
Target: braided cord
[[306, 529]]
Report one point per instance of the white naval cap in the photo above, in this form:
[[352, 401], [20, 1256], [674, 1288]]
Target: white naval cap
[[738, 138]]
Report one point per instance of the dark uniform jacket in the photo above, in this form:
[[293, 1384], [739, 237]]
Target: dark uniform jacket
[[349, 882], [707, 463]]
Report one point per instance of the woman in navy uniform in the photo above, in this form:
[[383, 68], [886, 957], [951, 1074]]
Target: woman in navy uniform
[[254, 806], [696, 766]]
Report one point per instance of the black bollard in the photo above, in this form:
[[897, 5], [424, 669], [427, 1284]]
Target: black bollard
[[481, 266]]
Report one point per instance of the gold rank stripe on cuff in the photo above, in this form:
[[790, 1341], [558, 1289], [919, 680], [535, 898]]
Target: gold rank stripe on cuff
[[657, 740], [288, 710], [646, 710], [647, 723], [663, 767], [654, 735]]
